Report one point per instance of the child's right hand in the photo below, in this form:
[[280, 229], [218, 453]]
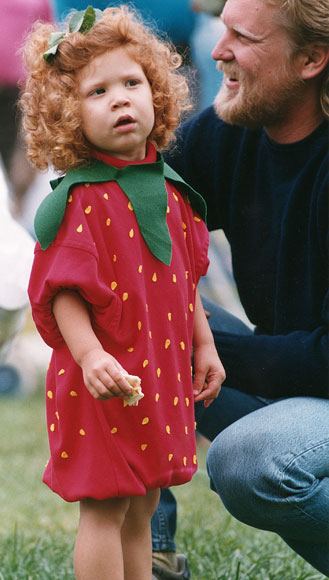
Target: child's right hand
[[103, 375]]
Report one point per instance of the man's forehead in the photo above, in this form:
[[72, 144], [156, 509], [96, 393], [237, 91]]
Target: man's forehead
[[249, 16]]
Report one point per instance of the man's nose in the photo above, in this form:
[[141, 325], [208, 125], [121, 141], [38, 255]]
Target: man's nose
[[223, 49]]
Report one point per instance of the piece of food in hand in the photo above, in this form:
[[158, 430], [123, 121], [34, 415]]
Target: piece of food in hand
[[136, 393]]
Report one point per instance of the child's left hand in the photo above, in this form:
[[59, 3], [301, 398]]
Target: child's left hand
[[209, 374]]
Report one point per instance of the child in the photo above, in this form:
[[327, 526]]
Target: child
[[113, 285]]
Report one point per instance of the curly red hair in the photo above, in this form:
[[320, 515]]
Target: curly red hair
[[50, 99]]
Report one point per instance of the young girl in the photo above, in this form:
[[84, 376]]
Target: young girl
[[113, 285]]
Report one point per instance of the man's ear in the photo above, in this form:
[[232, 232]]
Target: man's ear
[[313, 61]]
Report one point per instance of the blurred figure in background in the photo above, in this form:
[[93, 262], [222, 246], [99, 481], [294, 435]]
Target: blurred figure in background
[[207, 30], [16, 175], [17, 16]]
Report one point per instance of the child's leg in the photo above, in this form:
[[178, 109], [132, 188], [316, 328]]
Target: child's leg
[[136, 536], [98, 548]]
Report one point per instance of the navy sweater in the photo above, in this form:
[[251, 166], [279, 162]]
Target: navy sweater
[[271, 200]]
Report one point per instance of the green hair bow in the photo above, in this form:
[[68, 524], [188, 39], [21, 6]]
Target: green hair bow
[[81, 21]]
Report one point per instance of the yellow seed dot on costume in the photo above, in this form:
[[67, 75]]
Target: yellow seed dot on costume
[[57, 415], [195, 459], [70, 198], [185, 461], [185, 234], [125, 404], [168, 429], [158, 373], [174, 278], [154, 277], [175, 196], [108, 221], [170, 456], [130, 207], [113, 285], [143, 446], [179, 377], [168, 209], [167, 343], [131, 233], [186, 274], [125, 296], [182, 345], [187, 401], [61, 372], [88, 209], [193, 286], [197, 219], [114, 257], [79, 229], [52, 427], [145, 363], [145, 421], [50, 394], [139, 325], [87, 184], [82, 432], [169, 316], [184, 226], [157, 397], [150, 333], [73, 393], [176, 401], [140, 269], [191, 307], [130, 349], [106, 196], [64, 455], [114, 430], [186, 430]]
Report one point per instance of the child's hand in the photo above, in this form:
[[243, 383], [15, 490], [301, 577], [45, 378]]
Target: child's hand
[[103, 375], [209, 374]]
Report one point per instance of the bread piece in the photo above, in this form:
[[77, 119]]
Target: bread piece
[[136, 393]]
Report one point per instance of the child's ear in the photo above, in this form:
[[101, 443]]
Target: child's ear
[[313, 61]]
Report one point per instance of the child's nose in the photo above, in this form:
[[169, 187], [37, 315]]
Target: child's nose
[[119, 100]]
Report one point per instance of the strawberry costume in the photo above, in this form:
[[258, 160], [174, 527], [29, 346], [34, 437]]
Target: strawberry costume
[[141, 303]]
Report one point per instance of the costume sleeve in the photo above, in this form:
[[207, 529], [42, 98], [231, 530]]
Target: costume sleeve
[[65, 267]]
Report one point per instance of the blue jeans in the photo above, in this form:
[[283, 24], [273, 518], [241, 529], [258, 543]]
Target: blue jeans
[[268, 462]]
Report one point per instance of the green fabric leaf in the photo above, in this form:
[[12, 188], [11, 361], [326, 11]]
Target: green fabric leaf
[[144, 185]]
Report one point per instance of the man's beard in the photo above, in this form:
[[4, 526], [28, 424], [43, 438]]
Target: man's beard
[[256, 104]]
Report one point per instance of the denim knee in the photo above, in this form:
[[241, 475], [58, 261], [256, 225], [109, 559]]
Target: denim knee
[[267, 485]]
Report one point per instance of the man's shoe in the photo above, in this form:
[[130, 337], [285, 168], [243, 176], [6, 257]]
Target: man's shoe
[[182, 570]]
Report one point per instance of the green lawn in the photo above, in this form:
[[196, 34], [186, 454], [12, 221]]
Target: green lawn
[[38, 529]]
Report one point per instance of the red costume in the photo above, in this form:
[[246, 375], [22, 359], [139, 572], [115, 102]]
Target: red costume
[[142, 312]]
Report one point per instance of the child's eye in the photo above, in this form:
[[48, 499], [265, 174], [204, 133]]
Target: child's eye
[[132, 83], [99, 91]]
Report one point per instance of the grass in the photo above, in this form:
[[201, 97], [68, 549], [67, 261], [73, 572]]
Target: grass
[[37, 529]]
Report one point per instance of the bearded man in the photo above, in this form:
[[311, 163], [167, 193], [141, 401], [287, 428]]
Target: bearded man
[[259, 156]]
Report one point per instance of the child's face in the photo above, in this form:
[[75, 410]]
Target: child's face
[[116, 105]]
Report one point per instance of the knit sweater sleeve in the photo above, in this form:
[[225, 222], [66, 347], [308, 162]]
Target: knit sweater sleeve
[[293, 362]]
